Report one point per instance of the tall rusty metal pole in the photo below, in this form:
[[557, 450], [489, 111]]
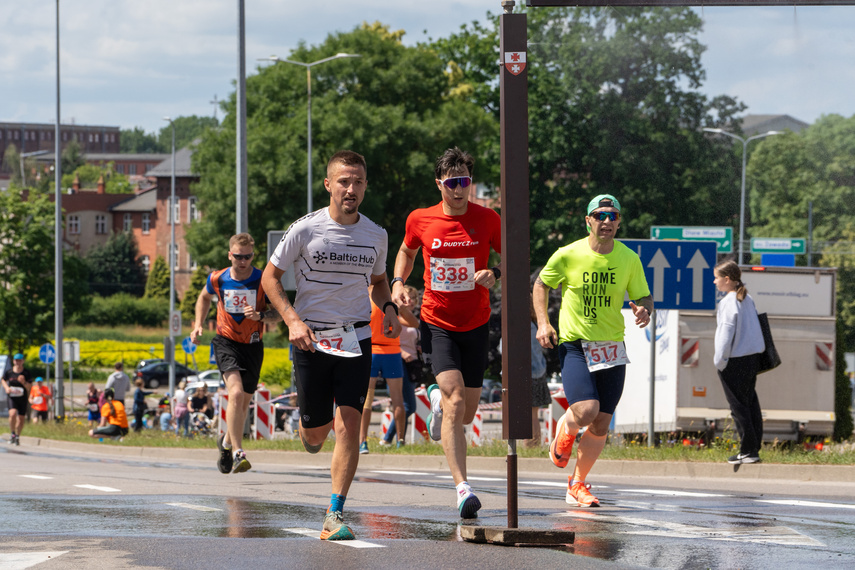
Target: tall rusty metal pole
[[516, 345]]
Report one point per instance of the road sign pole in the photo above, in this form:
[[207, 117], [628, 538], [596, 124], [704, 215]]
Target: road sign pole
[[651, 434]]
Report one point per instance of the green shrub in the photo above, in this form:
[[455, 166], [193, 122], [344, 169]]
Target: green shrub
[[124, 309]]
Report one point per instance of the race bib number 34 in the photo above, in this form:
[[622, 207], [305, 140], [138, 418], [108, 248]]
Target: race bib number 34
[[237, 299], [452, 274], [605, 354]]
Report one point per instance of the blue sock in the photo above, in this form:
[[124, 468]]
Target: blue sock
[[337, 502]]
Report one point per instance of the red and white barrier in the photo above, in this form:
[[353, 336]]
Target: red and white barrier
[[418, 421], [265, 417], [475, 430], [385, 422], [824, 352], [554, 412], [690, 352]]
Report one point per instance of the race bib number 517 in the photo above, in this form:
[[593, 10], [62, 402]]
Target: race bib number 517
[[605, 354]]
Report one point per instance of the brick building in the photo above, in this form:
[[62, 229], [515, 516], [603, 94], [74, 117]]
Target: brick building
[[32, 137]]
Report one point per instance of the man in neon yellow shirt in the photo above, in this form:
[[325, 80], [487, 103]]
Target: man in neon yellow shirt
[[594, 274]]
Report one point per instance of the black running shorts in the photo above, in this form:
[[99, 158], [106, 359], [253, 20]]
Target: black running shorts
[[324, 379], [245, 358], [452, 350]]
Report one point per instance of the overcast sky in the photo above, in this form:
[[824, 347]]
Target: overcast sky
[[129, 63]]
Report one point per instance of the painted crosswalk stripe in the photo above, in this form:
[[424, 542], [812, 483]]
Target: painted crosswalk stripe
[[401, 473], [21, 560], [36, 476], [317, 534], [97, 488], [545, 483], [808, 504], [194, 507], [671, 493]]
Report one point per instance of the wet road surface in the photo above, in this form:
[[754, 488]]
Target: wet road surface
[[95, 509]]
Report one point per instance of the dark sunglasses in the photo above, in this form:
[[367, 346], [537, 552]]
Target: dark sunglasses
[[451, 183], [240, 257], [603, 216]]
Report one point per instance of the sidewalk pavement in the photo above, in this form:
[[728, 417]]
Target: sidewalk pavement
[[526, 465]]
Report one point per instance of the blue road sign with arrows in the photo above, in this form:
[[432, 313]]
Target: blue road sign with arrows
[[188, 346], [679, 273], [47, 353]]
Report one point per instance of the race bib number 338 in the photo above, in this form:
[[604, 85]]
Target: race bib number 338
[[605, 354], [452, 274]]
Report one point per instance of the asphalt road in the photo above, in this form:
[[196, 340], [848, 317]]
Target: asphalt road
[[96, 506]]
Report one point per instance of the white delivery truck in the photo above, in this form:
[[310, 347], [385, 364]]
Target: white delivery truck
[[797, 398]]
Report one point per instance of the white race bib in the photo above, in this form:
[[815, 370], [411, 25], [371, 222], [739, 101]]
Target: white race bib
[[604, 354], [338, 342], [38, 400], [236, 299], [93, 407], [452, 274], [15, 391]]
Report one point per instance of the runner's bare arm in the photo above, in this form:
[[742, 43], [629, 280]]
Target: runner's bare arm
[[268, 316], [546, 335], [380, 294], [300, 335], [642, 317], [403, 268], [203, 305]]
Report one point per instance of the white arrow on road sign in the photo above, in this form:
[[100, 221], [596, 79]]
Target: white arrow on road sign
[[697, 264], [659, 263]]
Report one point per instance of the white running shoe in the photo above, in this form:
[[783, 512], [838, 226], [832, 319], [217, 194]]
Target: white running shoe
[[435, 415]]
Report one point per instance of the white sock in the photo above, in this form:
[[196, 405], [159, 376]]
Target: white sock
[[463, 490]]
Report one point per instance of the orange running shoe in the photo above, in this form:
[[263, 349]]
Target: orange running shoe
[[562, 446], [578, 494]]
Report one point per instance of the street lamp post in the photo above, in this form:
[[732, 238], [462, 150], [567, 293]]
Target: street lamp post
[[744, 160], [171, 358], [308, 66]]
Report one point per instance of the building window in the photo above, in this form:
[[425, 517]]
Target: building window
[[176, 211], [96, 137], [90, 137], [145, 262], [73, 224], [192, 211], [128, 222], [175, 254], [132, 169], [193, 264], [146, 222], [100, 224], [120, 169], [64, 137]]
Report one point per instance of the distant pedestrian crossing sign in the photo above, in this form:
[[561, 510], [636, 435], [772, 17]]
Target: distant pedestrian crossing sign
[[211, 359]]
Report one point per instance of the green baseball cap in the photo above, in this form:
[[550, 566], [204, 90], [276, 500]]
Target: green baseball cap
[[603, 201]]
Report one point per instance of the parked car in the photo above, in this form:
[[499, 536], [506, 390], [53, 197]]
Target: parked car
[[156, 374], [146, 361], [210, 375]]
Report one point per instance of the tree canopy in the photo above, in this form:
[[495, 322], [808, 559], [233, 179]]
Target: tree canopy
[[187, 129], [393, 105], [114, 267]]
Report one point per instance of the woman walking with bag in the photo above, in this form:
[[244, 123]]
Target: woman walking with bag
[[738, 344]]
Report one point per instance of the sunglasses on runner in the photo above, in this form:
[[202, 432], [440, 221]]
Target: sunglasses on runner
[[240, 257], [451, 183], [603, 216]]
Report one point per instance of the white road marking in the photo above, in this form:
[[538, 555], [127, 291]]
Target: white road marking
[[194, 507], [671, 493], [401, 473], [21, 560], [755, 534], [97, 488], [36, 476], [474, 478], [544, 483], [808, 504], [311, 533]]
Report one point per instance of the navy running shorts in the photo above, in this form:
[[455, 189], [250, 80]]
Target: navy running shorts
[[605, 386]]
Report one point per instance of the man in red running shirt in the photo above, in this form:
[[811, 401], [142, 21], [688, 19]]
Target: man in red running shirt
[[455, 237]]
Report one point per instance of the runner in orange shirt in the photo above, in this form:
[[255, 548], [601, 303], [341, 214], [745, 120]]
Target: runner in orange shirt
[[41, 399]]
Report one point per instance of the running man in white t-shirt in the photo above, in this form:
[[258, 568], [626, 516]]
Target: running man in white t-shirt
[[339, 258]]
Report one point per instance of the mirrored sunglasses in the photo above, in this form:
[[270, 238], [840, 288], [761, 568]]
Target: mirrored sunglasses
[[245, 257], [451, 183], [603, 216]]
